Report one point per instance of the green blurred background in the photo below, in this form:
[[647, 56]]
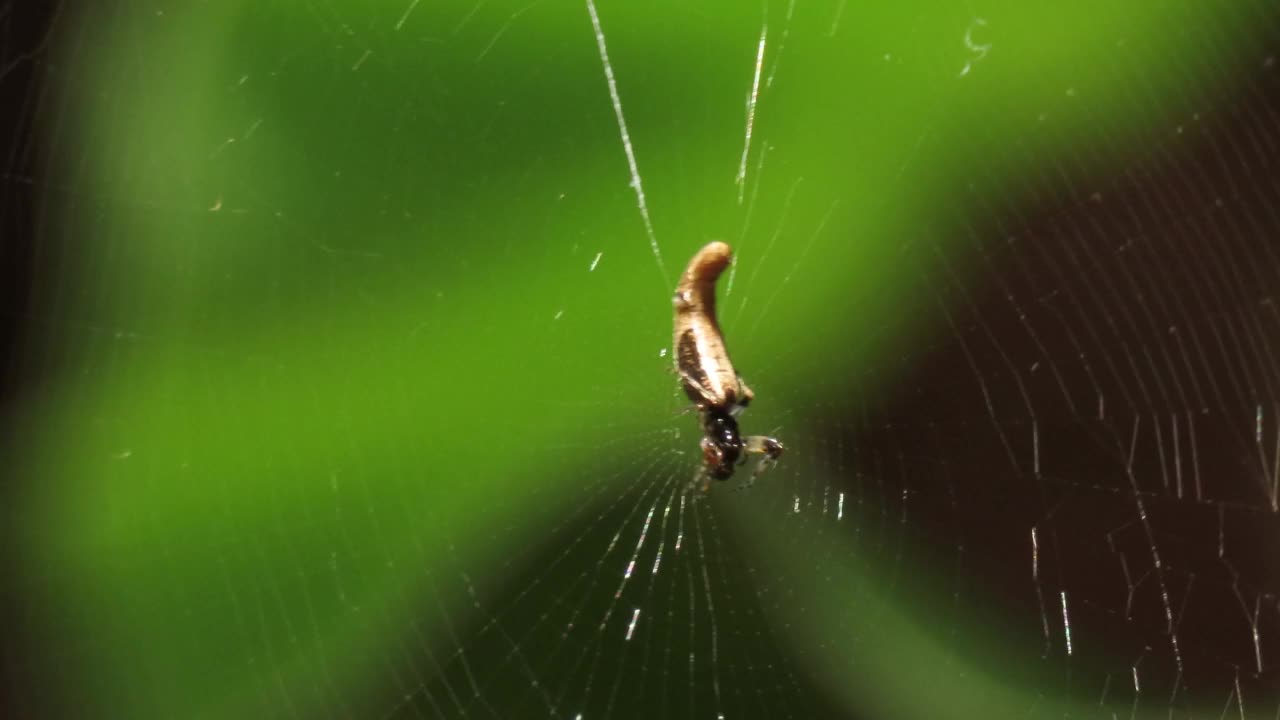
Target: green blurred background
[[350, 337]]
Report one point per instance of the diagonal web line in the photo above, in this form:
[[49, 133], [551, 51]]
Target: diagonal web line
[[626, 141]]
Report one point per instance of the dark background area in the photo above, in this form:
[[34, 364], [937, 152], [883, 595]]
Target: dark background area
[[24, 69], [24, 39]]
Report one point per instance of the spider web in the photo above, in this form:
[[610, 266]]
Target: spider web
[[340, 376]]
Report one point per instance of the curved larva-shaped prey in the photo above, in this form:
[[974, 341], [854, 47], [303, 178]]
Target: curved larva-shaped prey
[[702, 361], [707, 374]]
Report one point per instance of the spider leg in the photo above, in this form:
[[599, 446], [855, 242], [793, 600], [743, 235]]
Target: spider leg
[[699, 484], [685, 410], [768, 448]]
